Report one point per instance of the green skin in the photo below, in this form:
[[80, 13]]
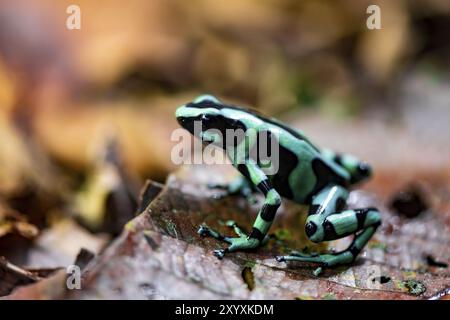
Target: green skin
[[308, 175]]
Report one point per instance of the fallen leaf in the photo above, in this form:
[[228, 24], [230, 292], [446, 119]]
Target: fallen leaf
[[160, 254]]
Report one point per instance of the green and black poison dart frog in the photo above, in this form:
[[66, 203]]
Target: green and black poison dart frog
[[307, 175]]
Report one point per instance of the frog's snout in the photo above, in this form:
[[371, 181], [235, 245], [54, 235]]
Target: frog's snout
[[183, 120], [181, 116], [180, 111]]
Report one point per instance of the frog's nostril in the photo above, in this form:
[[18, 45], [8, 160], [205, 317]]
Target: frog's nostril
[[310, 228]]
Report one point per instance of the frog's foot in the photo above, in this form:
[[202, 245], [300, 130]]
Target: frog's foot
[[242, 242], [325, 260]]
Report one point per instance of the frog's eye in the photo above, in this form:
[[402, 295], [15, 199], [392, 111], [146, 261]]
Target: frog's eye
[[208, 119], [206, 97]]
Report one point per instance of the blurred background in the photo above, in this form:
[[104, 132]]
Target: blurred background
[[86, 115]]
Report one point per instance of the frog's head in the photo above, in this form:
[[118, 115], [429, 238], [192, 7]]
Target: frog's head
[[202, 115]]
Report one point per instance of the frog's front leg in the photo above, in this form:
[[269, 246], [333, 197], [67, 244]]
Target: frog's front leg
[[264, 219], [327, 222], [241, 241]]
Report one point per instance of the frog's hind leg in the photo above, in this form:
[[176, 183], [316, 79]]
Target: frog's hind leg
[[326, 222], [336, 258]]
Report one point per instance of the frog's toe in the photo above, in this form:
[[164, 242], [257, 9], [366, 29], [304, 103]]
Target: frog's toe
[[204, 231], [218, 186], [214, 185], [218, 196], [301, 258], [220, 253], [302, 255], [296, 253], [230, 223], [317, 271]]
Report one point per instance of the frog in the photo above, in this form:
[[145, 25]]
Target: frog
[[307, 174]]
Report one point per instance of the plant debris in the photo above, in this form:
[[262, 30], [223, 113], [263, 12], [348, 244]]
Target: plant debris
[[12, 276], [247, 276], [414, 287]]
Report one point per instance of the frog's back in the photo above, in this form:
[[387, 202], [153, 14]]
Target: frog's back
[[302, 169]]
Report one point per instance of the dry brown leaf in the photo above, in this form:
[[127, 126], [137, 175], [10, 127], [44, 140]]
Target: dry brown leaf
[[59, 245], [160, 255], [12, 221], [71, 134], [106, 201]]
